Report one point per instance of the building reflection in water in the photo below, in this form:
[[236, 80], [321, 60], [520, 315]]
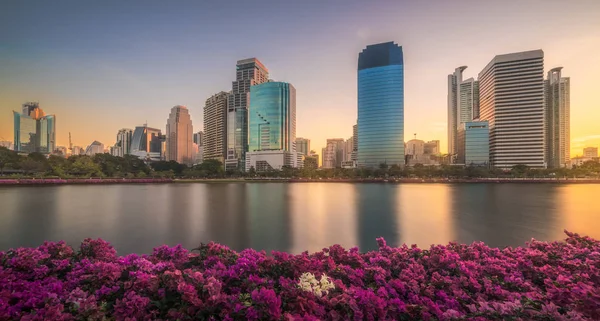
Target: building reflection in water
[[322, 215], [505, 214], [33, 223], [227, 215], [268, 207], [423, 213], [376, 211]]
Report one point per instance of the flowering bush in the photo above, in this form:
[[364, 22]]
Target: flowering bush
[[543, 281]]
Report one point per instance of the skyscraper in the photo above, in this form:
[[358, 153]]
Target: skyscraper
[[34, 131], [198, 139], [355, 143], [215, 127], [511, 91], [147, 143], [473, 143], [303, 145], [123, 145], [380, 105], [558, 127], [179, 136], [272, 127], [463, 104], [333, 153], [249, 72]]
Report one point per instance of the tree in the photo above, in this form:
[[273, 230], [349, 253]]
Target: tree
[[519, 170], [59, 166], [84, 166], [7, 158]]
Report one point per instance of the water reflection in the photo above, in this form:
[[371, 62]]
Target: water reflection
[[376, 209], [295, 217]]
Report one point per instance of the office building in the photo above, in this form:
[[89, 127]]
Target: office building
[[249, 72], [94, 148], [311, 160], [303, 145], [590, 152], [198, 140], [215, 127], [473, 143], [432, 147], [380, 105], [272, 127], [355, 143], [123, 145], [179, 136], [463, 104], [147, 143], [34, 131], [76, 151], [558, 127], [333, 153], [511, 91]]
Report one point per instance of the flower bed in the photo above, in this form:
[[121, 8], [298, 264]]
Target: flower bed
[[543, 281]]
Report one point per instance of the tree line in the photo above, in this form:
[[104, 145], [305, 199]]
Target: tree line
[[129, 166]]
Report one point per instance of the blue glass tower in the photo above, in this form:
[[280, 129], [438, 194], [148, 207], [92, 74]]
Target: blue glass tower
[[381, 105]]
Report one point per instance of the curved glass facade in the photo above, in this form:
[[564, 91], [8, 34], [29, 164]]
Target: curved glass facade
[[381, 105], [272, 121]]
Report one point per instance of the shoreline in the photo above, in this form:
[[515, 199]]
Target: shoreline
[[106, 181]]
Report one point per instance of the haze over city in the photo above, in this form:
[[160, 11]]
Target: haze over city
[[104, 66]]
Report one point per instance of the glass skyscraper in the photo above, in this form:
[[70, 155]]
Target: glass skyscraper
[[272, 123], [473, 145], [381, 105], [34, 131]]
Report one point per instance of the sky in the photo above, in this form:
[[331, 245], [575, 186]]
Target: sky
[[105, 65]]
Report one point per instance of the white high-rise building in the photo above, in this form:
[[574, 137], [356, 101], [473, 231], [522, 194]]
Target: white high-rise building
[[215, 127], [463, 104], [511, 91], [558, 127], [123, 145]]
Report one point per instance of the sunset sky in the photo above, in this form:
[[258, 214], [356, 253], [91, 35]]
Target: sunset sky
[[104, 65]]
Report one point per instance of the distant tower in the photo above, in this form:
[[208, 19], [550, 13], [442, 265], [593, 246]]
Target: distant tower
[[179, 136], [558, 119]]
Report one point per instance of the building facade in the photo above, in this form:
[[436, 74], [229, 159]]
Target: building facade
[[473, 144], [355, 144], [215, 127], [249, 72], [590, 152], [511, 91], [122, 146], [198, 140], [303, 145], [432, 147], [272, 126], [147, 143], [463, 104], [179, 136], [558, 126], [34, 131], [333, 153], [380, 105], [94, 148]]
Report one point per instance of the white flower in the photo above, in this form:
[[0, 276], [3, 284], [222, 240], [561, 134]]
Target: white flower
[[309, 283]]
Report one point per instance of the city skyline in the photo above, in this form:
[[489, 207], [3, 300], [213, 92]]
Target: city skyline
[[80, 80]]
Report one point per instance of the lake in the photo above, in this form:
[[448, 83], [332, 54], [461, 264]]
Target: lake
[[296, 217]]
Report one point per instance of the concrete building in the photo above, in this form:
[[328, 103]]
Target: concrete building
[[558, 119], [272, 127], [311, 160], [473, 144], [122, 146], [179, 136], [333, 153], [355, 143], [34, 131], [77, 151], [463, 104], [380, 105], [94, 148], [249, 72], [303, 145], [148, 143], [590, 152], [511, 91], [215, 127], [432, 147], [198, 140]]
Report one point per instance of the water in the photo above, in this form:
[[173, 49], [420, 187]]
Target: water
[[296, 217]]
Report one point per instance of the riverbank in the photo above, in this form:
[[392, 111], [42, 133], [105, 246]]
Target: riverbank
[[94, 181], [542, 281]]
